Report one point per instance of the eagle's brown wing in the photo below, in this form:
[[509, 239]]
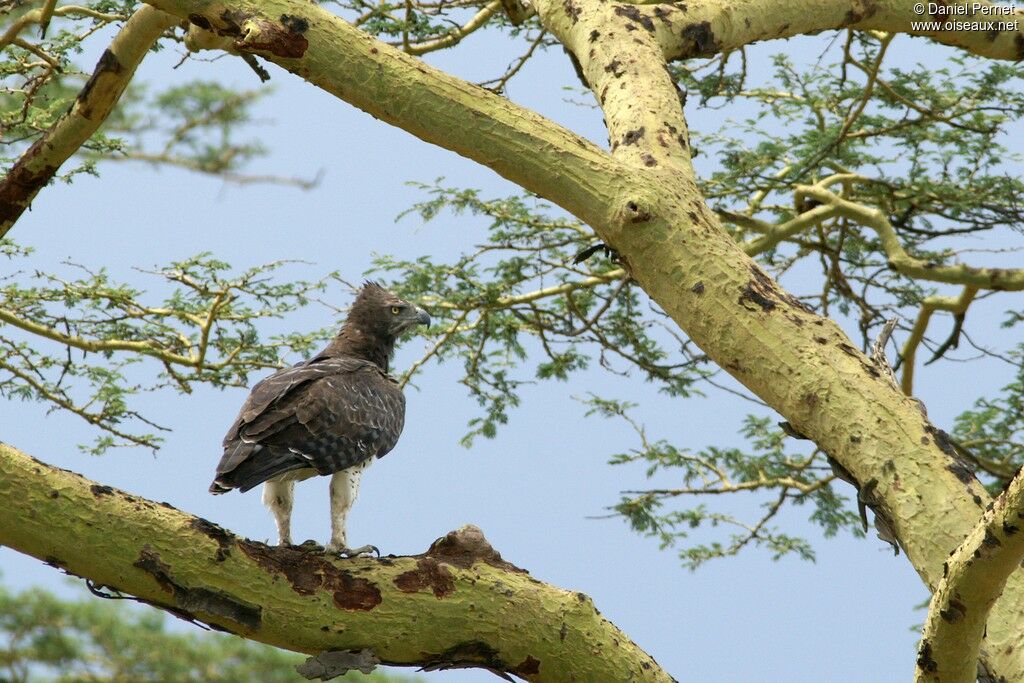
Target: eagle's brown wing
[[328, 414]]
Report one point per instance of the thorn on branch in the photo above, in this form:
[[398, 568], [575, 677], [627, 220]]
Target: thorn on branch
[[98, 591], [790, 431], [257, 67], [585, 254], [953, 341]]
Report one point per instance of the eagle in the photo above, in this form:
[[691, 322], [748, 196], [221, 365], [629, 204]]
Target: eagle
[[330, 415]]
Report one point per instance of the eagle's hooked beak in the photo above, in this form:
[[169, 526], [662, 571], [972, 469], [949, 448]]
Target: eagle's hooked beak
[[410, 318]]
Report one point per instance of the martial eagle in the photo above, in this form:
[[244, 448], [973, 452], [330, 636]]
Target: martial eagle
[[329, 415]]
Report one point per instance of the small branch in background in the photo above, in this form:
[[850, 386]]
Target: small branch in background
[[955, 305]]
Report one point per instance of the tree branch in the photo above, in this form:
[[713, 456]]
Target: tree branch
[[708, 27], [1004, 279], [457, 604], [975, 576], [40, 163], [955, 305], [673, 246]]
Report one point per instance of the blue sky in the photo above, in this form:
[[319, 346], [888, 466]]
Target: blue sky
[[537, 487]]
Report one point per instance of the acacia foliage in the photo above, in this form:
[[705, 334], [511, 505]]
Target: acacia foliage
[[537, 300]]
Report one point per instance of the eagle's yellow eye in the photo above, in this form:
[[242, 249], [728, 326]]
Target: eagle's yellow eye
[[395, 310]]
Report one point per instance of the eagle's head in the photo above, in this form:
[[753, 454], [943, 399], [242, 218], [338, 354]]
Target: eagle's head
[[379, 313]]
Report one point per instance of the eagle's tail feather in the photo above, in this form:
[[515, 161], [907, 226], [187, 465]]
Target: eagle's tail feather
[[255, 470]]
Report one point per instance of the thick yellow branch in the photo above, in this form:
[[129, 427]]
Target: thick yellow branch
[[457, 604], [40, 163], [708, 27], [974, 577]]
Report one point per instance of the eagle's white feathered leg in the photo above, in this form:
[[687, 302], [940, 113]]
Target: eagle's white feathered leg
[[344, 491], [279, 496]]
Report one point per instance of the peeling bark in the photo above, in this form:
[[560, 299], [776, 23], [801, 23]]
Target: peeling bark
[[457, 605]]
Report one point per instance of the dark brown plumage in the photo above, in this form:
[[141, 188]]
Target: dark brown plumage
[[328, 415]]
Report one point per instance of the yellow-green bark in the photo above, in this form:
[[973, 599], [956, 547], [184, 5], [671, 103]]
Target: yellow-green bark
[[973, 578], [643, 201], [458, 603], [802, 365]]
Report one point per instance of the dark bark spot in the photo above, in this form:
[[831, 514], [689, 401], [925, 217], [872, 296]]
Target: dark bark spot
[[527, 667], [232, 21], [471, 653], [21, 184], [594, 35], [563, 632], [108, 64], [577, 67], [633, 12], [847, 349], [961, 471], [759, 290], [793, 301], [200, 21], [294, 24], [101, 490], [820, 340], [636, 213], [309, 571], [283, 39], [698, 288], [188, 601], [224, 539], [662, 12], [854, 438], [752, 294], [632, 136], [354, 593], [615, 68], [990, 541], [954, 612], [702, 38], [55, 494], [1010, 529], [977, 500], [649, 161], [572, 10], [858, 14], [429, 573]]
